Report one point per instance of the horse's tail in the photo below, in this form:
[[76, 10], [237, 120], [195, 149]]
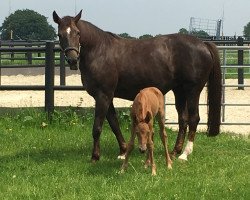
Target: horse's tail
[[214, 86]]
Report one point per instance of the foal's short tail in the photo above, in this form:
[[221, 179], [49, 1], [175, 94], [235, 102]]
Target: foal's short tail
[[214, 86]]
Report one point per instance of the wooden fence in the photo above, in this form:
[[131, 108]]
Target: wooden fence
[[47, 51]]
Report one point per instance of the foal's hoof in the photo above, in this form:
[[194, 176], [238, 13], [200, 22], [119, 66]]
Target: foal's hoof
[[170, 166], [153, 174]]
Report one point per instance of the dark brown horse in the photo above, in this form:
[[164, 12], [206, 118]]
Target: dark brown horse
[[112, 66]]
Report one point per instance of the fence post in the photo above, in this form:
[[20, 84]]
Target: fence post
[[0, 63], [62, 69], [49, 78], [12, 55], [240, 63], [29, 53]]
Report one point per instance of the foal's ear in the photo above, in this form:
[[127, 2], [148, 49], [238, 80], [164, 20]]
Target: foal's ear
[[78, 17], [56, 18]]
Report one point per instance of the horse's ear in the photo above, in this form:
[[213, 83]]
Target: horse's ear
[[78, 17], [56, 18]]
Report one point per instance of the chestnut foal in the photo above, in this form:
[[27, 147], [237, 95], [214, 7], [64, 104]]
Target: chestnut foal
[[149, 103]]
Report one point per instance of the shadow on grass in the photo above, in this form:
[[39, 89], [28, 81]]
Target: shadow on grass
[[77, 157], [44, 155]]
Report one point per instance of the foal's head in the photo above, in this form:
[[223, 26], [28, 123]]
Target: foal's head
[[69, 37], [143, 134]]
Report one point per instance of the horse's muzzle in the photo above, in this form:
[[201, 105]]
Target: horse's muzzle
[[72, 61]]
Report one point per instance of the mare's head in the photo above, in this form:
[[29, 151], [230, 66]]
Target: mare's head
[[69, 37], [143, 134]]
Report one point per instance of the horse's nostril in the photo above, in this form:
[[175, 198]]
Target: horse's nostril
[[72, 61]]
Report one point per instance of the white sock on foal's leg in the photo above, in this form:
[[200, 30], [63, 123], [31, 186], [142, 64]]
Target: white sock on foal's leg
[[188, 150]]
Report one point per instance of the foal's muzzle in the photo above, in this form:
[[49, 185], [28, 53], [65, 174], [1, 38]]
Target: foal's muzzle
[[142, 148], [73, 62]]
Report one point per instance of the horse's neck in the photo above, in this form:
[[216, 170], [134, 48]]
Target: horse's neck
[[90, 35]]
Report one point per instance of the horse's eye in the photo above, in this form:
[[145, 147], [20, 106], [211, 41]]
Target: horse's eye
[[59, 35]]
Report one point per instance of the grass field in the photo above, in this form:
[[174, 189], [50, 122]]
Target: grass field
[[39, 160]]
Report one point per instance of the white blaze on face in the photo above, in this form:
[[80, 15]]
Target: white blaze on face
[[68, 30]]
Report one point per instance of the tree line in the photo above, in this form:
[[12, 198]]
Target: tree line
[[29, 25]]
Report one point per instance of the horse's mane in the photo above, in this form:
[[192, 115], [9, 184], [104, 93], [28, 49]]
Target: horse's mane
[[113, 34], [106, 35], [99, 33]]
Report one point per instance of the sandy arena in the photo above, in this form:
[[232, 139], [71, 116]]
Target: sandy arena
[[82, 99]]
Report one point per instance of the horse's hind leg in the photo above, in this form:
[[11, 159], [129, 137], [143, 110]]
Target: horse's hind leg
[[180, 104], [194, 118], [114, 124]]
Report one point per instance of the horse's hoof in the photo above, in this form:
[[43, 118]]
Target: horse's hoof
[[122, 171], [94, 159], [183, 157], [121, 157]]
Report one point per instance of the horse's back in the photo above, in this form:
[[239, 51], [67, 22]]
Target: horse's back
[[163, 62]]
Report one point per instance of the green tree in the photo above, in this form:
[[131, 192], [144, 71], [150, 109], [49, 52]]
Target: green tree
[[145, 36], [246, 31], [200, 34], [126, 35], [27, 25], [183, 31]]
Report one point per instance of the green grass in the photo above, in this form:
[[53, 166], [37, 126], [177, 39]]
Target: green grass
[[232, 59], [21, 59], [39, 160]]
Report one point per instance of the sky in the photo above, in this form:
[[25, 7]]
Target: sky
[[139, 17]]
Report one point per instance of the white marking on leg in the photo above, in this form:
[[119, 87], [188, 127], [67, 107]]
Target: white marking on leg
[[121, 157], [188, 150], [68, 30]]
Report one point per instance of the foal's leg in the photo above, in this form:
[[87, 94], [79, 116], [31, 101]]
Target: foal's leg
[[151, 138], [180, 104], [194, 118], [150, 146], [101, 108], [114, 124], [129, 148], [164, 139]]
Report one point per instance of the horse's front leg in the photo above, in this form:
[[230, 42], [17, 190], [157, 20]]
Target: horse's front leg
[[101, 109], [114, 124]]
